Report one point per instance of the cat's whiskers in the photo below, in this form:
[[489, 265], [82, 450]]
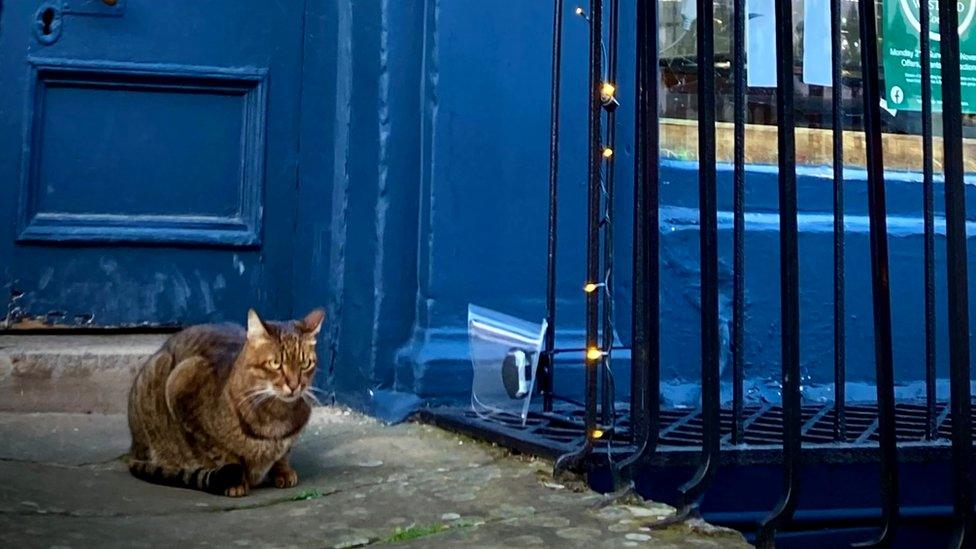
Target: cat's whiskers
[[311, 395], [247, 396], [263, 398], [310, 398], [255, 397], [253, 393]]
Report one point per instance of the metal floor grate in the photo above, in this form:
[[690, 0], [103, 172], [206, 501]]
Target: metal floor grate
[[551, 434]]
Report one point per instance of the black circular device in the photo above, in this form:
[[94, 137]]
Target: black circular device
[[517, 373]]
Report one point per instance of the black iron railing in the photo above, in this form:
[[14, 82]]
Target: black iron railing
[[955, 214], [793, 434]]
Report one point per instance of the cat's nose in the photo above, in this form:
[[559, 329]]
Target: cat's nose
[[287, 389]]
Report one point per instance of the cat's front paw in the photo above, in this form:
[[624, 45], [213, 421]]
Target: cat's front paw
[[238, 491], [229, 479], [285, 478]]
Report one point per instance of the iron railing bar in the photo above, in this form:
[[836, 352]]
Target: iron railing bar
[[645, 355], [837, 126], [739, 224], [595, 158], [956, 257], [593, 209], [650, 77], [692, 491], [814, 419], [747, 422], [880, 276], [546, 366], [789, 281], [928, 207], [607, 395], [868, 432], [679, 423]]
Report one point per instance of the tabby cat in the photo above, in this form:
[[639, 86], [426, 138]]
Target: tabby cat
[[218, 407]]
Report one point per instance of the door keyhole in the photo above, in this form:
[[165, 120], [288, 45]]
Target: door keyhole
[[47, 23], [47, 18]]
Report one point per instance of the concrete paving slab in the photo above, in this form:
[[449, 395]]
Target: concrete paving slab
[[362, 483], [65, 439]]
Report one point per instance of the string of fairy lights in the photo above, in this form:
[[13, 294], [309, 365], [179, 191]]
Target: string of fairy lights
[[597, 356]]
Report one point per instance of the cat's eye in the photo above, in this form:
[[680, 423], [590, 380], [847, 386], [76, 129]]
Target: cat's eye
[[309, 365], [274, 364]]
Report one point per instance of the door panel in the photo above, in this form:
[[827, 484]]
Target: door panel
[[147, 160]]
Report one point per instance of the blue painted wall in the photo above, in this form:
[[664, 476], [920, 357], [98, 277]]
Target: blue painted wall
[[443, 198]]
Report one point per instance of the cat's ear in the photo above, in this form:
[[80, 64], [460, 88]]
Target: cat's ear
[[312, 323], [255, 328]]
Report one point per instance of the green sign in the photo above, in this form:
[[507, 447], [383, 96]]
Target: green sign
[[902, 57]]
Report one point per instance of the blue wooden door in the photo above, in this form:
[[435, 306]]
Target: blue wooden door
[[148, 159]]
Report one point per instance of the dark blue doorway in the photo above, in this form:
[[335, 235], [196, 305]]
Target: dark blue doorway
[[149, 164]]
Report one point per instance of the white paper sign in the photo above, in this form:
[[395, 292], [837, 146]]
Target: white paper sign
[[816, 42], [761, 43]]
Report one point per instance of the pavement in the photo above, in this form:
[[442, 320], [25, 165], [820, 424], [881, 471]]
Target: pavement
[[63, 483]]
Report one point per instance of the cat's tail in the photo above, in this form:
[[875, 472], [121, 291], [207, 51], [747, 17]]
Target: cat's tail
[[214, 481]]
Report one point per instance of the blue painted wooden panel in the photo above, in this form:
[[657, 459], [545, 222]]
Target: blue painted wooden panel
[[93, 125], [149, 164]]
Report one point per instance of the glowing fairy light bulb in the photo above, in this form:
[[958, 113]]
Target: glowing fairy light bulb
[[596, 433], [607, 90], [590, 287], [594, 354], [579, 10], [607, 153]]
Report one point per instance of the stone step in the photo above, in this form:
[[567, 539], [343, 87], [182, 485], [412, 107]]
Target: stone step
[[71, 373]]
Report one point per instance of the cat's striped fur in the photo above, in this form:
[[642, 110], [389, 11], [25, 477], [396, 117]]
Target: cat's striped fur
[[218, 407]]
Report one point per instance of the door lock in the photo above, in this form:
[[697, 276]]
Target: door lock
[[47, 23], [48, 17]]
